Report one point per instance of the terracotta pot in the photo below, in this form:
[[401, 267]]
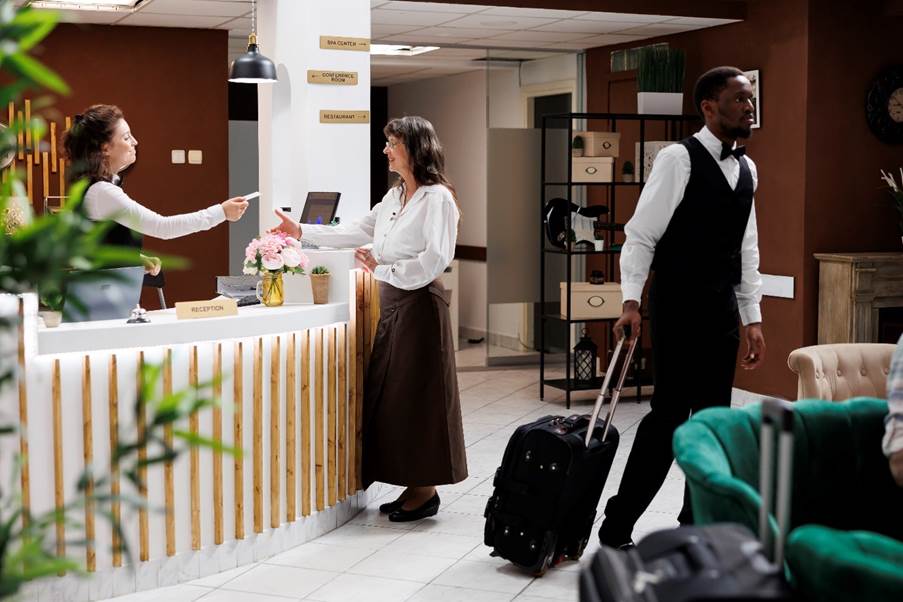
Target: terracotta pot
[[319, 285]]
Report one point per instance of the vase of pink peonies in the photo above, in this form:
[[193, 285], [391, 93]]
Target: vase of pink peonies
[[270, 256]]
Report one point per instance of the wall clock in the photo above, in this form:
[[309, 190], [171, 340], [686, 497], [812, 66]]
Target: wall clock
[[884, 105]]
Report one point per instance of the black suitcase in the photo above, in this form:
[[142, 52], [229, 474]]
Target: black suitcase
[[721, 562], [550, 482]]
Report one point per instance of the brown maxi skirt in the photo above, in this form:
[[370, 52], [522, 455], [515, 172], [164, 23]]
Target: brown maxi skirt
[[412, 433]]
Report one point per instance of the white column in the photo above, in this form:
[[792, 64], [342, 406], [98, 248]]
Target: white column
[[298, 154]]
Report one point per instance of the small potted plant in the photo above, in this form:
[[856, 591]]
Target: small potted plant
[[319, 284], [627, 172], [577, 146], [896, 193], [660, 80], [51, 308], [270, 256]]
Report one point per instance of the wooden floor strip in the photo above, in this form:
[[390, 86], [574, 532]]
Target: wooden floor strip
[[275, 439], [195, 458], [305, 423], [319, 419], [342, 409], [88, 454], [332, 416], [290, 385], [115, 505], [257, 428], [218, 440], [168, 487], [238, 468]]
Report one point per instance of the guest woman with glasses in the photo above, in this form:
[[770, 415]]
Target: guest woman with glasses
[[412, 433]]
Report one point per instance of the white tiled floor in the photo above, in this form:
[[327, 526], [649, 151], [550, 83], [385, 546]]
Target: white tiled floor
[[441, 558]]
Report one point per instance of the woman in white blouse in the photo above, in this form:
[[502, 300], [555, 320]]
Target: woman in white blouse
[[412, 433], [99, 146]]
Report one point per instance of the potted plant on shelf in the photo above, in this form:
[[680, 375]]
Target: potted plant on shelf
[[319, 284], [896, 193], [627, 172], [577, 146], [270, 256], [660, 79]]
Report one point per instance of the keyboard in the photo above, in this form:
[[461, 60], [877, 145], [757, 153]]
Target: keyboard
[[249, 300]]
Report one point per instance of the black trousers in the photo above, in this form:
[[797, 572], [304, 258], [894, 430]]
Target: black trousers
[[695, 338]]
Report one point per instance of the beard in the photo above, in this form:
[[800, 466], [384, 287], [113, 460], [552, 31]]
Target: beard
[[740, 131], [735, 131]]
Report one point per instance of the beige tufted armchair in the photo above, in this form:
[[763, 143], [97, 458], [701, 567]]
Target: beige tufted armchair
[[841, 371]]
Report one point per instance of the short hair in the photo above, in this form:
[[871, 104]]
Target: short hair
[[711, 83]]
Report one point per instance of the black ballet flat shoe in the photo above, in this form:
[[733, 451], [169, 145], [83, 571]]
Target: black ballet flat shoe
[[429, 508], [390, 507]]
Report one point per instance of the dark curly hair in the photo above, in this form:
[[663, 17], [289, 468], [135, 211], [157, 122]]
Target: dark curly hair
[[424, 149], [83, 142]]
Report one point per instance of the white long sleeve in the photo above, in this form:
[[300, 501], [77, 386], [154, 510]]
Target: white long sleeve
[[439, 233], [343, 236], [412, 245], [106, 201], [659, 200]]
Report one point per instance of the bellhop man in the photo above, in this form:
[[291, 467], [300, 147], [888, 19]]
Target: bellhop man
[[695, 227]]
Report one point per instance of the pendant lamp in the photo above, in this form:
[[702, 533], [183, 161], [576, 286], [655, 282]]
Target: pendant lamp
[[252, 67]]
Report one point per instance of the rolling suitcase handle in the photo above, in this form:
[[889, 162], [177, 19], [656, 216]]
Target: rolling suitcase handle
[[616, 395], [775, 414]]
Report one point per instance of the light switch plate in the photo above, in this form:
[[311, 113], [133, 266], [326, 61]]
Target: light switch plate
[[195, 157], [777, 286], [178, 156]]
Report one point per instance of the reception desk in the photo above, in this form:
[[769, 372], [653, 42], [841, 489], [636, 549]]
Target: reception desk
[[291, 381]]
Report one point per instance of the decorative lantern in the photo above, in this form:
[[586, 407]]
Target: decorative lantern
[[585, 352]]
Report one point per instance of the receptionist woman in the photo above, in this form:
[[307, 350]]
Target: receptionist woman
[[99, 146], [412, 434]]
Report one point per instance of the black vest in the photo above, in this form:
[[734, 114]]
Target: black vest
[[702, 242]]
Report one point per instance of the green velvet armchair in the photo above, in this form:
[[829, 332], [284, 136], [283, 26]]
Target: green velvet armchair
[[846, 522]]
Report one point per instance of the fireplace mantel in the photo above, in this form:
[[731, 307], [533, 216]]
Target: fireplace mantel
[[853, 288]]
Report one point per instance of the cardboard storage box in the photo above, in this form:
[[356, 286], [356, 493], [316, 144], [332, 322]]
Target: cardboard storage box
[[592, 169], [591, 301], [600, 144]]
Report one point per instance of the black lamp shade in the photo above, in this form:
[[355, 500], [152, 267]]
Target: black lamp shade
[[252, 68]]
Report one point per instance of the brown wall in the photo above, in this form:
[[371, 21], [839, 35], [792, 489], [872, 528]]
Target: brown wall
[[846, 207], [171, 85], [773, 39]]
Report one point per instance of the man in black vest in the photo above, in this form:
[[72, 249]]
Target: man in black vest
[[695, 227]]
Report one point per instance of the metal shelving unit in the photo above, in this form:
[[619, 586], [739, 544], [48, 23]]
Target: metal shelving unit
[[676, 127]]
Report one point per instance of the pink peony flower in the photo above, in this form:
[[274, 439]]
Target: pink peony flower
[[291, 257], [273, 262]]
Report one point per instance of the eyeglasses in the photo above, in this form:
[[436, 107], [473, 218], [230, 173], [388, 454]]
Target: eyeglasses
[[392, 145]]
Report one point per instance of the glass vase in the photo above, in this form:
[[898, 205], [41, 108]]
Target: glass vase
[[271, 290]]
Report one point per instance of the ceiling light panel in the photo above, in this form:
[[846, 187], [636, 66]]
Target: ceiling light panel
[[401, 17]]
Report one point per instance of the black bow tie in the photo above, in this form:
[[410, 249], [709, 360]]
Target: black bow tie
[[727, 150]]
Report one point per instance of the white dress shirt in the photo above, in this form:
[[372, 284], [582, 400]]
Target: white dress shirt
[[106, 201], [662, 194], [412, 246]]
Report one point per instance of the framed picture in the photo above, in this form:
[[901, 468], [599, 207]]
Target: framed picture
[[756, 81]]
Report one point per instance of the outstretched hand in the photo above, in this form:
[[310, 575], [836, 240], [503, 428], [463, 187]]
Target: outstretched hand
[[287, 225]]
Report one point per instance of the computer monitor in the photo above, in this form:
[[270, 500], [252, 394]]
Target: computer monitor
[[107, 299], [320, 207]]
